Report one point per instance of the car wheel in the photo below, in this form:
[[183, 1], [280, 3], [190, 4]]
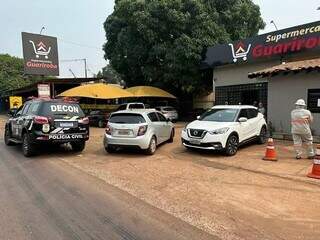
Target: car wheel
[[171, 136], [110, 149], [7, 137], [27, 146], [152, 146], [78, 146], [262, 139], [232, 145], [101, 124]]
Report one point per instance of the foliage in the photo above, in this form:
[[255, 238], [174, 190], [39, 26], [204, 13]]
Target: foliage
[[11, 73], [110, 74], [161, 42]]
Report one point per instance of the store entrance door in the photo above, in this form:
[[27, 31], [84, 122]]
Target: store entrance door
[[248, 97]]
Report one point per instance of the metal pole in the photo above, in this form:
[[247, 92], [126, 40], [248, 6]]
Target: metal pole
[[43, 28], [85, 68]]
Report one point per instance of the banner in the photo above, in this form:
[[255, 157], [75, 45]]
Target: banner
[[272, 45], [40, 54]]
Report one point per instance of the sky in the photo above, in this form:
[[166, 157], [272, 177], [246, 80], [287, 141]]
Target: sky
[[78, 25]]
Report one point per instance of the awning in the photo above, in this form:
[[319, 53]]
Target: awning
[[299, 66], [147, 91], [98, 91]]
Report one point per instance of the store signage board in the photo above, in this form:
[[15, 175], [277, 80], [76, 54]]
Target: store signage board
[[277, 44], [40, 54], [44, 90]]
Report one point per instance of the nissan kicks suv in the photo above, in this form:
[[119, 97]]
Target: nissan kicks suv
[[47, 121], [225, 128]]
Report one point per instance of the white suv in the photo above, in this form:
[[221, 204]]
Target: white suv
[[225, 128]]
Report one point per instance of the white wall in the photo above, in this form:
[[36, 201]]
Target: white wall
[[283, 92], [237, 74]]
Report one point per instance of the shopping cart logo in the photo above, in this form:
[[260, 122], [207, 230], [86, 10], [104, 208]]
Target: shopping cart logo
[[240, 51], [40, 49]]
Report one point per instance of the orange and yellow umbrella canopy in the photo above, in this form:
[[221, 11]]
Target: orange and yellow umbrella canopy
[[147, 91], [97, 91]]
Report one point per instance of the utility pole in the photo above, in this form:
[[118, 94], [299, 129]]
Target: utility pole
[[43, 28], [77, 60]]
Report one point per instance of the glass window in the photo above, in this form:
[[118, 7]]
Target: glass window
[[25, 109], [153, 117], [127, 118], [169, 109], [219, 115], [136, 106], [252, 113], [161, 117], [33, 109], [243, 114], [122, 107]]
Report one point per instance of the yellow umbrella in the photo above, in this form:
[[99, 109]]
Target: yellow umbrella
[[98, 91], [147, 91]]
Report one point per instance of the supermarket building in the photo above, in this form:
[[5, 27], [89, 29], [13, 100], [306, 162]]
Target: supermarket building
[[276, 69]]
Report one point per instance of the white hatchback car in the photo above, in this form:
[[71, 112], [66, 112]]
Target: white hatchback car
[[225, 128], [138, 128]]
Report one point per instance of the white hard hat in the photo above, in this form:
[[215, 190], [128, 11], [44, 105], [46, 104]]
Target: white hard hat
[[301, 102]]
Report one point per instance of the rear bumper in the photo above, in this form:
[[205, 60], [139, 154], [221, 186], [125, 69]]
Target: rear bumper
[[40, 137], [141, 142]]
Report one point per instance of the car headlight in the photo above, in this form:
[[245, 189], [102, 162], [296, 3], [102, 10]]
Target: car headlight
[[219, 131]]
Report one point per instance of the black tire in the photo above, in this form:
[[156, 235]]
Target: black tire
[[171, 136], [7, 136], [232, 145], [152, 146], [110, 149], [78, 146], [262, 138], [28, 147], [101, 124]]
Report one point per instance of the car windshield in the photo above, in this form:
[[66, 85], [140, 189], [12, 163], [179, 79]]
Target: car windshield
[[56, 109], [127, 118], [136, 106], [219, 115], [168, 109]]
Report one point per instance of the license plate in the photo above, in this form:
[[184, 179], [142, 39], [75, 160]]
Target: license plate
[[67, 124], [195, 142], [124, 132]]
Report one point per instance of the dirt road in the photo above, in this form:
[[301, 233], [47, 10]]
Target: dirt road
[[44, 198]]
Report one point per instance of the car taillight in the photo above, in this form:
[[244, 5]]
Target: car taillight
[[84, 120], [108, 130], [41, 120], [142, 130]]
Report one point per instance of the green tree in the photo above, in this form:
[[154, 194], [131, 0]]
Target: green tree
[[11, 73], [110, 74], [161, 42]]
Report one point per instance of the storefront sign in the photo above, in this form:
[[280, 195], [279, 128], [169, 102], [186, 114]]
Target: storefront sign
[[271, 45], [40, 54], [43, 90], [15, 102]]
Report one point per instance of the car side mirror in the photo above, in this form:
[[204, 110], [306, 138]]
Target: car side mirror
[[198, 117], [168, 119], [243, 119]]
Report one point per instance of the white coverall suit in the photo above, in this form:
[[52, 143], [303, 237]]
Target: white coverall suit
[[301, 132]]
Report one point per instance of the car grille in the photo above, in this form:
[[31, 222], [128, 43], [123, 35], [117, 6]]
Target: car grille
[[197, 133]]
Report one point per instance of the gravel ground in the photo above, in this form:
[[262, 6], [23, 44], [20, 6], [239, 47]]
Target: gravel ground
[[239, 197]]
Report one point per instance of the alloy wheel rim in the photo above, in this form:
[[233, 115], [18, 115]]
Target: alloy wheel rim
[[153, 145], [233, 145]]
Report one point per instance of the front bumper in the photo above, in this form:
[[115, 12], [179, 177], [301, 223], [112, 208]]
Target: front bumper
[[141, 142], [208, 142]]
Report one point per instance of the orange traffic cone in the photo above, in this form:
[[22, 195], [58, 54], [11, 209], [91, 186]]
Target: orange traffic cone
[[316, 165], [271, 154]]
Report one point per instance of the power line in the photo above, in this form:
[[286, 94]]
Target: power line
[[80, 44]]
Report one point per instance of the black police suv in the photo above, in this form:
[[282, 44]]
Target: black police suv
[[47, 121]]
